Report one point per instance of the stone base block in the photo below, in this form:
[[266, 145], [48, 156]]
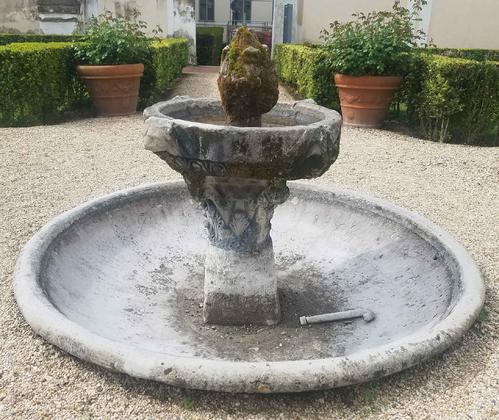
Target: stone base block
[[240, 289]]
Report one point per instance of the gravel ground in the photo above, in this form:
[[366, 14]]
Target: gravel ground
[[50, 169]]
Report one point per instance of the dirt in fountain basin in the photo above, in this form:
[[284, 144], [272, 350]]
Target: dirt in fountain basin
[[301, 292], [267, 120]]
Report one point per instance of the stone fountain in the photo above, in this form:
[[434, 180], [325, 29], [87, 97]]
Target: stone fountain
[[287, 288], [238, 173]]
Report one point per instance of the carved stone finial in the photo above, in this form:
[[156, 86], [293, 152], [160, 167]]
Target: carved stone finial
[[247, 81]]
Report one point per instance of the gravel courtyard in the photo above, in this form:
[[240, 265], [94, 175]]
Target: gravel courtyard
[[46, 170]]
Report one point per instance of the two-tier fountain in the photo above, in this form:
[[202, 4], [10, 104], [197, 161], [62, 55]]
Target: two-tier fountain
[[285, 289]]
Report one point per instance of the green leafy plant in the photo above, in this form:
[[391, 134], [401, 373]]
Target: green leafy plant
[[114, 40], [454, 100], [374, 43], [39, 83], [443, 98], [305, 69]]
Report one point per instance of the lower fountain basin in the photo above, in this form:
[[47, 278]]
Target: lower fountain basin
[[119, 282]]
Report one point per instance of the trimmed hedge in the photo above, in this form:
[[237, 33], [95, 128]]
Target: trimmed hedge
[[6, 39], [167, 59], [454, 99], [209, 44], [469, 53], [39, 83], [447, 99], [303, 68]]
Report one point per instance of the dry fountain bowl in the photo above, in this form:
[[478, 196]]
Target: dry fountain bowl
[[118, 282]]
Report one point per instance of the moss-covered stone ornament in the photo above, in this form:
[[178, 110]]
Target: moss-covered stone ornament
[[247, 80]]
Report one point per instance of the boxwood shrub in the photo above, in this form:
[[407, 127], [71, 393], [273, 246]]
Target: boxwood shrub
[[446, 98], [6, 39], [469, 53], [39, 83], [303, 68], [454, 99], [164, 65], [209, 44]]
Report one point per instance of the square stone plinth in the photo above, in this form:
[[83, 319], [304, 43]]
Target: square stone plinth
[[240, 289]]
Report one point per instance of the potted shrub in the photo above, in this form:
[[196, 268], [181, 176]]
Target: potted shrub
[[112, 58], [369, 55]]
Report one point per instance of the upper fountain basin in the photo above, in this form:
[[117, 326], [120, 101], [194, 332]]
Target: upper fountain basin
[[297, 140]]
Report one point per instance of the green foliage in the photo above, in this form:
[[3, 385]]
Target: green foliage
[[163, 65], [114, 40], [447, 99], [188, 403], [374, 43], [209, 44], [39, 83], [6, 39], [483, 316], [454, 100], [305, 69], [469, 53]]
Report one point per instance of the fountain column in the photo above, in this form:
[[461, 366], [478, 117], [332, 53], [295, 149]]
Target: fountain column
[[240, 285], [238, 173]]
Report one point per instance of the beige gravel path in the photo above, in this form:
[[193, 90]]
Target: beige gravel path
[[46, 170]]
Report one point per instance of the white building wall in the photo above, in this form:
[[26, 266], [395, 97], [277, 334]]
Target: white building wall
[[465, 23], [155, 13], [261, 11], [315, 15]]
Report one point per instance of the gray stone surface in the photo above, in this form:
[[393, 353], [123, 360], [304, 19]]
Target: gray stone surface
[[48, 170], [117, 282], [297, 140], [239, 174]]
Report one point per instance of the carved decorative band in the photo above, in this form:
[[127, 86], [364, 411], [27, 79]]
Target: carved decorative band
[[197, 166]]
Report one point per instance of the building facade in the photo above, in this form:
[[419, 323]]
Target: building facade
[[174, 17], [232, 11], [448, 23]]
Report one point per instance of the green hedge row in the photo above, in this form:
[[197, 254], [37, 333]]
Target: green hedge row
[[303, 68], [165, 64], [469, 53], [6, 39], [453, 99], [209, 44], [447, 99], [39, 83]]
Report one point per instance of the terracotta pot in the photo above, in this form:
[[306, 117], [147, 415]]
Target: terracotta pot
[[365, 100], [114, 89]]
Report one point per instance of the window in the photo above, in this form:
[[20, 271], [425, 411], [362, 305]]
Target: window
[[207, 10], [241, 11], [71, 7]]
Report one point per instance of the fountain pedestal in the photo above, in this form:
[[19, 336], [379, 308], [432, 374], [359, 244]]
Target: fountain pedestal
[[240, 277], [238, 175]]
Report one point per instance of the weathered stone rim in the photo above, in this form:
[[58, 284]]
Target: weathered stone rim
[[266, 377], [329, 117]]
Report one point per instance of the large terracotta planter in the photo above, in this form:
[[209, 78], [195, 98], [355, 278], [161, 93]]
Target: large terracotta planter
[[365, 100], [114, 89]]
